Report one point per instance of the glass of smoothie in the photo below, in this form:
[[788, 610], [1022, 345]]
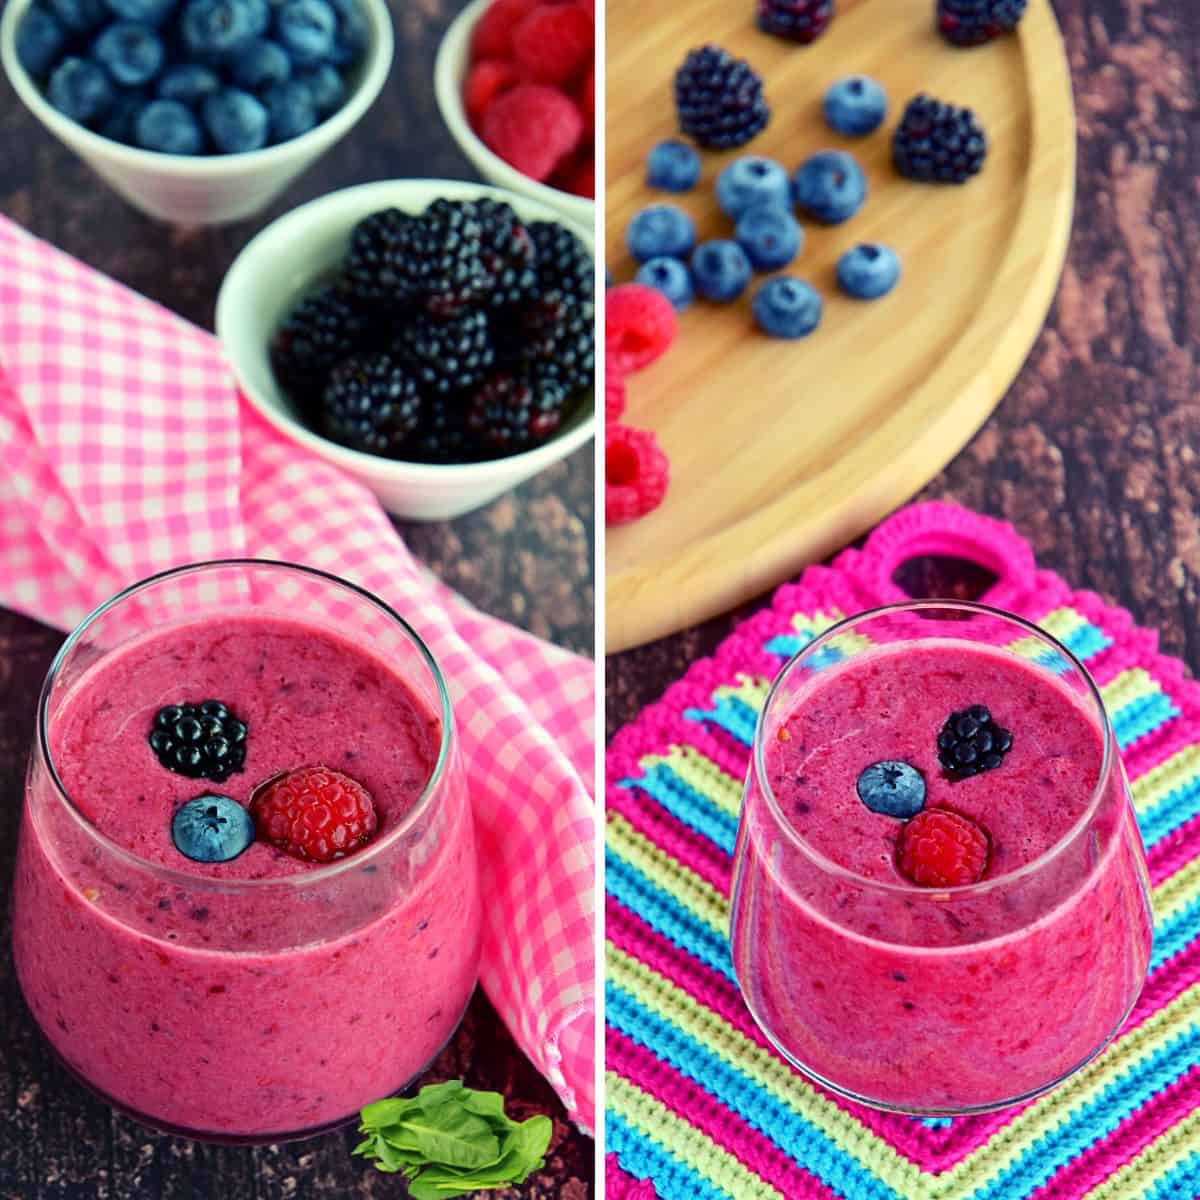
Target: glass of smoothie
[[940, 900], [246, 900]]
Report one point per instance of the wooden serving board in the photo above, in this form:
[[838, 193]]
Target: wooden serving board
[[781, 452]]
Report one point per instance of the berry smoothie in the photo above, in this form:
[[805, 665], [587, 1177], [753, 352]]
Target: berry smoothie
[[266, 995], [964, 955]]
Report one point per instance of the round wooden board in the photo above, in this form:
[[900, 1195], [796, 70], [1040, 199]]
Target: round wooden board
[[781, 452]]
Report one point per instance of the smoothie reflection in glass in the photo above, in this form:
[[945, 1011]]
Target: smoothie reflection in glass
[[940, 896], [266, 996]]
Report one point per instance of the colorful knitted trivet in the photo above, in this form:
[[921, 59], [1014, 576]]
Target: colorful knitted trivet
[[701, 1108]]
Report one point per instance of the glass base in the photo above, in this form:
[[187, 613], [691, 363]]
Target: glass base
[[234, 1139]]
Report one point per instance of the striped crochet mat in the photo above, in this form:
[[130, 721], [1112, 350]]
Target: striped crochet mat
[[701, 1108]]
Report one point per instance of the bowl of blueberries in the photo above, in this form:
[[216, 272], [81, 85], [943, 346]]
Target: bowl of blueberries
[[197, 112], [433, 339]]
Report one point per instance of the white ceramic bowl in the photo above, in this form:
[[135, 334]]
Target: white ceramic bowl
[[281, 264], [209, 189], [448, 75]]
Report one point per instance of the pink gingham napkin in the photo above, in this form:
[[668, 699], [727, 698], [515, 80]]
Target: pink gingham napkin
[[124, 449]]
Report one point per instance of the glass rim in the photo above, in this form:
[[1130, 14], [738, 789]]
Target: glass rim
[[233, 886], [886, 887]]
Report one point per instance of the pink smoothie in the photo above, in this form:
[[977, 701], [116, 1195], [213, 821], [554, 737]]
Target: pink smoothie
[[931, 1001], [305, 992]]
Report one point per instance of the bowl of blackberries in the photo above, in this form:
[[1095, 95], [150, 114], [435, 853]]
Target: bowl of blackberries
[[434, 339], [197, 111]]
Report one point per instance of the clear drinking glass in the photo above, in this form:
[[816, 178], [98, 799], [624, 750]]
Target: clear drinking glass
[[957, 999], [248, 1009]]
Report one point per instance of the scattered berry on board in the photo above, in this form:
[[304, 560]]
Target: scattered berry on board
[[939, 848], [868, 271], [529, 91], [454, 335], [830, 186], [639, 326], [660, 230], [636, 473], [892, 789], [973, 22], [855, 106], [797, 20], [672, 166], [937, 142], [315, 814], [201, 741], [752, 181], [720, 270], [193, 77], [669, 276], [770, 236], [211, 828], [785, 307], [719, 99], [970, 742]]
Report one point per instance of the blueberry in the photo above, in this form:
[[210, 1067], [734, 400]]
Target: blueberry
[[188, 83], [79, 16], [669, 276], [786, 307], [673, 166], [352, 33], [170, 127], [855, 106], [290, 111], [120, 120], [750, 182], [325, 86], [132, 53], [307, 29], [892, 789], [145, 12], [80, 90], [235, 121], [260, 64], [40, 39], [214, 30], [259, 15], [830, 186], [770, 236], [868, 272], [721, 270], [211, 828], [662, 230]]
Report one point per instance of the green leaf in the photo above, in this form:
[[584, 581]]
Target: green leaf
[[487, 1104], [386, 1112], [433, 1095], [420, 1189], [453, 1136]]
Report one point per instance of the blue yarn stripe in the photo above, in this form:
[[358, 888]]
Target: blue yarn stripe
[[1142, 716], [785, 645], [1174, 934], [795, 1136], [664, 914], [646, 1159], [1086, 641], [1181, 1181], [1175, 809], [730, 713], [688, 805]]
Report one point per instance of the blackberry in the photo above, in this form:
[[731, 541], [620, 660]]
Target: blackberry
[[371, 403], [442, 436], [564, 263], [970, 742], [938, 143], [508, 253], [369, 261], [973, 22], [719, 99], [562, 346], [446, 355], [437, 260], [511, 412], [201, 741], [320, 332], [797, 20]]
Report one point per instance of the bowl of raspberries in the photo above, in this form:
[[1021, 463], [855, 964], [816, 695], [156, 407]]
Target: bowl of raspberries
[[197, 111], [434, 339], [515, 83]]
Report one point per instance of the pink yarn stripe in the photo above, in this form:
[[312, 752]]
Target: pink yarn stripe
[[620, 1185], [722, 1125], [1174, 852]]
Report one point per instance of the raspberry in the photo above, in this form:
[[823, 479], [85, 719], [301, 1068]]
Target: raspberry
[[940, 848], [315, 814], [639, 325], [492, 37], [797, 20], [533, 128], [636, 473], [586, 99], [553, 43], [485, 81], [614, 390], [578, 178]]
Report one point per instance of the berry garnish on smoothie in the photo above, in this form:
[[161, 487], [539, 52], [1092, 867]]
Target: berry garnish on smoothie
[[970, 742], [940, 848], [211, 829], [201, 741], [314, 814]]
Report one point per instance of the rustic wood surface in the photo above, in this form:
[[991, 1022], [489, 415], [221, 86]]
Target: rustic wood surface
[[1093, 455], [527, 558]]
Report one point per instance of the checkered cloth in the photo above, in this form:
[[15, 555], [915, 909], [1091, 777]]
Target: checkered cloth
[[124, 449]]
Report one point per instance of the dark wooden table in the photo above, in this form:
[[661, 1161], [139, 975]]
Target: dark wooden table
[[527, 558], [1095, 453]]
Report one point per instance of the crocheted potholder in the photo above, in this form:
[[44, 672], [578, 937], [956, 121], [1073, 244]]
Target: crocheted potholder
[[701, 1108]]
